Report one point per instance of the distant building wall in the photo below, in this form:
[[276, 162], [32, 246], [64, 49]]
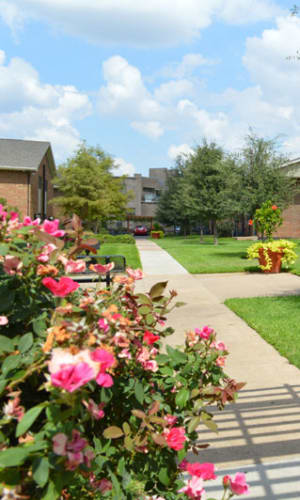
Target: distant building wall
[[15, 188], [40, 199]]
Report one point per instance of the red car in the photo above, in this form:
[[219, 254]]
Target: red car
[[140, 231]]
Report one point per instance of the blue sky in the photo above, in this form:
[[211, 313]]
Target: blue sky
[[147, 81]]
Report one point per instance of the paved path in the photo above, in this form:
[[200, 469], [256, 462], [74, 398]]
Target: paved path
[[263, 427]]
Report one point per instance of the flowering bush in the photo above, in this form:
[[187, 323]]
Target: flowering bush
[[91, 406], [267, 219], [285, 247]]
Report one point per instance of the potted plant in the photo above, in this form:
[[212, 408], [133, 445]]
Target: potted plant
[[271, 254], [157, 234]]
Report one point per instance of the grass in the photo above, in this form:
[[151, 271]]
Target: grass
[[130, 252], [228, 256], [276, 319]]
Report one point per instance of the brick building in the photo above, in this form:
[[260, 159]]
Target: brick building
[[26, 172], [291, 216]]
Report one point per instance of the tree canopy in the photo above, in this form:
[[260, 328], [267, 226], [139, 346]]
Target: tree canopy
[[87, 187]]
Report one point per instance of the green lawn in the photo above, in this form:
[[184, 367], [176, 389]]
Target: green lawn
[[227, 257], [130, 252], [276, 319]]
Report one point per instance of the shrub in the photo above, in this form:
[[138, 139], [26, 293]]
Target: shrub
[[91, 406], [267, 219], [118, 238]]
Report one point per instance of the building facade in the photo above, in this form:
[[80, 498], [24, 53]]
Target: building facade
[[26, 172], [291, 216]]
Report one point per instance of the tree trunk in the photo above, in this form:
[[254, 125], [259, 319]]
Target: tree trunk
[[201, 235], [215, 231]]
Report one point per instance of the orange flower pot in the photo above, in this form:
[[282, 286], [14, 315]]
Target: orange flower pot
[[275, 257]]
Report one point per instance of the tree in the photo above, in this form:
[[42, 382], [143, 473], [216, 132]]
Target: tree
[[88, 188], [212, 179], [263, 177]]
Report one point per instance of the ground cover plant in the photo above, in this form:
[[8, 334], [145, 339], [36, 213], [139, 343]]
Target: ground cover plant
[[91, 407], [228, 257], [276, 319], [129, 251]]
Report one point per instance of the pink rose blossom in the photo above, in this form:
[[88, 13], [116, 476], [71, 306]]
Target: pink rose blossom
[[220, 361], [102, 269], [183, 465], [103, 325], [194, 489], [74, 266], [237, 485], [220, 346], [175, 438], [205, 470], [149, 337], [13, 409], [205, 333], [71, 377], [125, 353], [3, 320], [60, 288], [136, 274], [121, 340], [46, 252], [150, 365], [73, 449], [51, 227], [103, 485], [12, 265], [60, 444], [104, 357], [14, 216], [3, 214], [104, 379], [96, 411], [143, 355], [27, 221], [171, 420]]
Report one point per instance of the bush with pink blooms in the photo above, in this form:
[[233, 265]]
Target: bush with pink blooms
[[92, 407]]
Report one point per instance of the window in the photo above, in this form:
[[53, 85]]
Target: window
[[150, 195]]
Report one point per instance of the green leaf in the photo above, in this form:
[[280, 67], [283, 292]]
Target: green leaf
[[113, 432], [162, 359], [10, 363], [167, 370], [180, 304], [193, 424], [28, 419], [4, 249], [116, 487], [13, 457], [182, 397], [163, 476], [6, 344], [139, 392], [126, 428], [208, 422], [40, 468], [176, 355], [52, 492], [144, 299], [39, 326], [7, 298], [143, 310], [150, 319], [128, 443], [158, 289], [25, 342], [121, 466]]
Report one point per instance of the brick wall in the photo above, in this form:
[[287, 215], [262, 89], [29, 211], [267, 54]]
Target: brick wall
[[291, 223], [14, 187]]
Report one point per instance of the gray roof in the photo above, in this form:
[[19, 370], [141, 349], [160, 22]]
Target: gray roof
[[16, 154]]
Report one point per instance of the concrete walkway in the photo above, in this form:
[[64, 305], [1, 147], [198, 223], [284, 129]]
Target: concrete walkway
[[260, 433]]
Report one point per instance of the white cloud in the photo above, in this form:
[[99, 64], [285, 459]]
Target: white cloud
[[135, 23], [181, 150], [172, 90], [31, 109], [122, 167], [151, 129], [187, 66]]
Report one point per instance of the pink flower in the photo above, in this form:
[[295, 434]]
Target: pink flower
[[170, 419], [3, 320], [183, 465], [104, 379], [220, 361], [125, 353], [104, 357], [103, 325], [205, 333], [73, 449], [175, 438], [136, 274], [104, 485], [143, 355], [237, 485], [3, 214], [220, 346], [102, 269], [96, 411], [46, 252], [62, 287], [194, 489], [27, 221], [14, 216], [74, 266], [205, 470], [71, 377], [121, 340], [149, 337], [12, 265], [60, 444], [51, 227], [150, 365], [13, 409]]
